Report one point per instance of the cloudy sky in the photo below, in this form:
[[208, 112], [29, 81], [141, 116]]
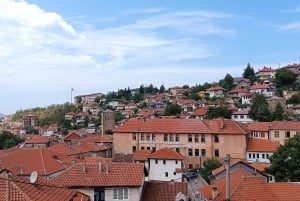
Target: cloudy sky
[[49, 46]]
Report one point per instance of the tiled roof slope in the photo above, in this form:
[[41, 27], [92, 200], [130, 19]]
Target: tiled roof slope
[[38, 159], [166, 153], [285, 125], [119, 174], [258, 126], [36, 140], [225, 126], [163, 191], [20, 189], [261, 145], [141, 155], [182, 126]]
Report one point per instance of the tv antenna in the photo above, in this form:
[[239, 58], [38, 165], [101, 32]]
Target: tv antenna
[[34, 177]]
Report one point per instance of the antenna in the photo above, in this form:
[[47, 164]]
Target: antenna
[[34, 177]]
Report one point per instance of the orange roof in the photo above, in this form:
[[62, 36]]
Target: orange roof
[[73, 134], [260, 166], [225, 126], [243, 111], [261, 145], [296, 106], [166, 153], [258, 126], [267, 69], [259, 86], [24, 161], [237, 90], [285, 125], [141, 155], [37, 140], [200, 112], [215, 89], [19, 189], [118, 174]]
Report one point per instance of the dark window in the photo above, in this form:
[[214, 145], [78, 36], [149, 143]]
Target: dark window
[[190, 138], [148, 148], [176, 162], [216, 138], [196, 152], [202, 137], [166, 174], [165, 137], [148, 136], [249, 155], [174, 173], [171, 137], [287, 134], [177, 138], [217, 153], [153, 136], [153, 149], [196, 138], [142, 136], [276, 134], [203, 152], [133, 136], [263, 155], [177, 150], [190, 166], [133, 149], [190, 152], [164, 162], [257, 155], [142, 148], [156, 161]]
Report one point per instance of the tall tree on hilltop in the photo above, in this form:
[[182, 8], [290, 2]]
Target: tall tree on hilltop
[[249, 73], [162, 89]]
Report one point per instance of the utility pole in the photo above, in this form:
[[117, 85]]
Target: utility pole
[[227, 167]]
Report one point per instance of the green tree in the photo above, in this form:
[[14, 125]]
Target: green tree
[[162, 89], [8, 140], [172, 109], [295, 99], [284, 77], [215, 112], [209, 165], [249, 73], [285, 162], [278, 114], [260, 109]]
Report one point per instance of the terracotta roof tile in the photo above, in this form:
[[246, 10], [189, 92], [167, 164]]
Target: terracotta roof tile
[[166, 153], [163, 190], [259, 86], [225, 126], [285, 125], [200, 112], [37, 139], [141, 155], [244, 111], [118, 174], [258, 126], [261, 145]]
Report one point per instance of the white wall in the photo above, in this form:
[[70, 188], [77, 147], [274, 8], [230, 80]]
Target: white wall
[[258, 157], [134, 194], [158, 171]]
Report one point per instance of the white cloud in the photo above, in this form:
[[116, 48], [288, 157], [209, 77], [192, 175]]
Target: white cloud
[[291, 26]]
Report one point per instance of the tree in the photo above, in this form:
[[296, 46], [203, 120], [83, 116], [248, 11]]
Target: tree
[[162, 89], [284, 77], [249, 73], [278, 114], [260, 109], [98, 99], [209, 165], [295, 99], [8, 140], [285, 162], [215, 112], [172, 109]]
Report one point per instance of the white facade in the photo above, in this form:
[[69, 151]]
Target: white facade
[[243, 118], [165, 170], [258, 157]]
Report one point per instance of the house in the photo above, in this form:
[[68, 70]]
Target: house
[[200, 113], [91, 107], [259, 130], [242, 115], [30, 120], [178, 90], [264, 89], [215, 92], [237, 93], [120, 107], [87, 97], [244, 83], [165, 165], [260, 150], [193, 138], [18, 188], [296, 109], [82, 117], [165, 191], [274, 100], [280, 131], [142, 156], [69, 116], [266, 73], [104, 181], [247, 98], [36, 141]]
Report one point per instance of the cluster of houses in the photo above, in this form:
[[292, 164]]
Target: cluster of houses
[[145, 157]]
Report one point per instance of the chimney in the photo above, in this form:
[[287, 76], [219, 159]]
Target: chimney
[[215, 193], [20, 170], [107, 168], [222, 123], [100, 166], [83, 166]]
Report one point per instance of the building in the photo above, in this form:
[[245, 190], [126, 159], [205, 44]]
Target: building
[[30, 120], [242, 115], [108, 121], [215, 92], [87, 98]]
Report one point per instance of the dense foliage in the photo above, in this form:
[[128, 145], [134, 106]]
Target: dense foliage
[[172, 109], [260, 109], [8, 140], [209, 165], [285, 162], [216, 112]]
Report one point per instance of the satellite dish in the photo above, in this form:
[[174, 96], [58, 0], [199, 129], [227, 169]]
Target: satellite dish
[[33, 177]]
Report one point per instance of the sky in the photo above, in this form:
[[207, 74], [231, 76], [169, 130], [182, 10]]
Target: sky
[[48, 47]]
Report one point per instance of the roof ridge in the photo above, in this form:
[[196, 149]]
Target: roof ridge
[[43, 162]]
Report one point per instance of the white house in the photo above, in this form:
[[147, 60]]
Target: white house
[[242, 115], [260, 150], [165, 165], [215, 92]]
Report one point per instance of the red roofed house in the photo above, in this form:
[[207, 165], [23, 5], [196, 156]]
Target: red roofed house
[[36, 141], [264, 89], [200, 113], [193, 138], [266, 73], [165, 165], [104, 181], [18, 189], [215, 92], [242, 115], [259, 150], [283, 130]]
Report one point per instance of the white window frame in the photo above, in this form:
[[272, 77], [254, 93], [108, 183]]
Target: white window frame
[[120, 194]]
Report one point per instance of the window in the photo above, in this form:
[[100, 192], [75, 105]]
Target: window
[[164, 162], [242, 116], [148, 136], [203, 138], [174, 173], [196, 138], [216, 137], [148, 148], [253, 155], [177, 137], [153, 149], [153, 137], [267, 155], [142, 136], [120, 193], [287, 134], [263, 155], [171, 137], [203, 152], [142, 148], [263, 135], [249, 155], [196, 152], [166, 174], [133, 149], [190, 138], [235, 116], [276, 134], [255, 134], [177, 150], [217, 153], [156, 161], [190, 166], [165, 137], [190, 152], [176, 162], [133, 136], [257, 155]]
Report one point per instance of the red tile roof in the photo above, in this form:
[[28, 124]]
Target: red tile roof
[[163, 190], [244, 111], [20, 189], [260, 166], [267, 69], [37, 140], [200, 112], [225, 126], [261, 145], [166, 153], [285, 125], [119, 174], [259, 86], [141, 155], [258, 126]]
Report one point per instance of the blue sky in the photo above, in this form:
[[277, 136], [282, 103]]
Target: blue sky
[[47, 47]]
